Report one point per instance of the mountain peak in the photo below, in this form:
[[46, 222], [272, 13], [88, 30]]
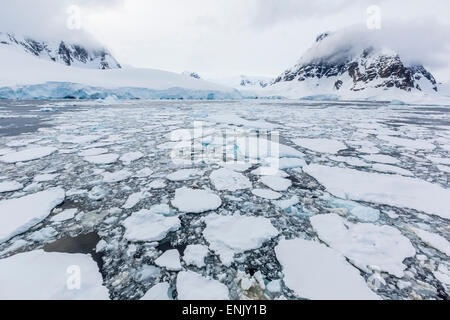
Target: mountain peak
[[336, 66], [322, 36], [191, 74], [70, 54]]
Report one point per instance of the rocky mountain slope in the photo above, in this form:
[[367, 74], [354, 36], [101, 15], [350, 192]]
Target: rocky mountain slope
[[346, 70], [63, 52]]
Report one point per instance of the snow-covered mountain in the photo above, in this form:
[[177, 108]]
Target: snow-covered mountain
[[345, 70], [191, 74], [244, 82], [56, 70], [70, 54]]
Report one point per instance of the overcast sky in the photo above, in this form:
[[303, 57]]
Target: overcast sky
[[220, 38]]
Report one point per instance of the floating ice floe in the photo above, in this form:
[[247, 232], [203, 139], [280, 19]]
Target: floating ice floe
[[9, 186], [163, 209], [225, 179], [118, 176], [286, 163], [195, 201], [365, 244], [445, 169], [65, 215], [158, 292], [134, 199], [78, 139], [43, 235], [157, 184], [195, 255], [184, 174], [22, 142], [169, 260], [4, 151], [363, 213], [439, 160], [27, 154], [145, 226], [239, 167], [144, 173], [97, 193], [260, 148], [45, 177], [39, 275], [413, 144], [236, 120], [391, 169], [382, 158], [433, 240], [321, 145], [288, 203], [92, 152], [443, 275], [192, 286], [393, 190], [230, 235], [274, 286], [19, 214], [353, 161], [276, 183], [267, 194], [129, 157], [268, 171], [314, 271], [107, 158]]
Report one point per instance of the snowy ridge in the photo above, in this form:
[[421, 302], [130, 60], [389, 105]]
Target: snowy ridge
[[70, 54], [25, 76]]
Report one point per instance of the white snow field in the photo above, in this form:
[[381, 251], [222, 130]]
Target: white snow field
[[187, 199], [39, 275], [46, 79]]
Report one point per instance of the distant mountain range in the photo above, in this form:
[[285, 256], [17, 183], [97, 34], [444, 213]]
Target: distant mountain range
[[63, 52], [331, 69], [244, 82]]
